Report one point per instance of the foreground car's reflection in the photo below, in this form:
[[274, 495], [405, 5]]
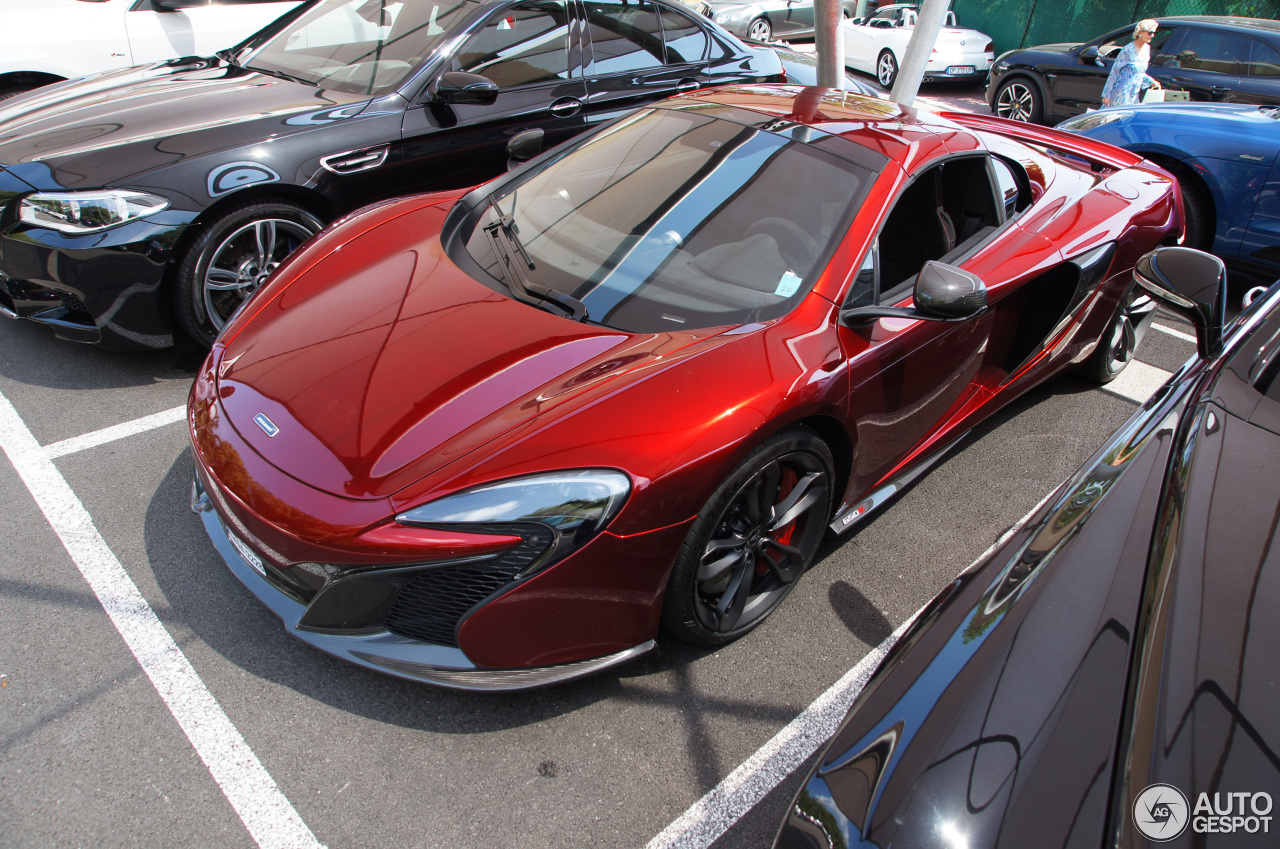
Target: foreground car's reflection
[[498, 439], [1106, 677]]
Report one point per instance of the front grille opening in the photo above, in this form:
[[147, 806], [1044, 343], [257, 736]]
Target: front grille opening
[[430, 606]]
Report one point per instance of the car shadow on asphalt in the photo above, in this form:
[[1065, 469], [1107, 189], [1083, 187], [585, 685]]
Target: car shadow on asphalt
[[32, 355]]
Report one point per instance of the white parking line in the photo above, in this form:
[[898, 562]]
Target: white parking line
[[266, 813], [1138, 381], [1176, 334], [111, 434], [712, 815]]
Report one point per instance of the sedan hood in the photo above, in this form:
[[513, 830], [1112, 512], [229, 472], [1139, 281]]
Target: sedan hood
[[108, 127], [383, 362]]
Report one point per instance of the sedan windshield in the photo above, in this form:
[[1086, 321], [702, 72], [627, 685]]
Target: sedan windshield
[[359, 46], [671, 219]]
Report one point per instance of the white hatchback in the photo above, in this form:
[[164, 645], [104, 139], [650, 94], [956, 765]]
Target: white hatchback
[[45, 41], [877, 44]]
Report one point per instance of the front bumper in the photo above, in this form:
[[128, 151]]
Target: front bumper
[[98, 288], [383, 651]]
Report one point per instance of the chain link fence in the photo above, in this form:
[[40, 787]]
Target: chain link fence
[[1023, 23]]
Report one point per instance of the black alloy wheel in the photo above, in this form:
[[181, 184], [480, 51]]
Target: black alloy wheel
[[231, 259], [756, 535], [1019, 100], [886, 69], [1120, 342], [760, 29]]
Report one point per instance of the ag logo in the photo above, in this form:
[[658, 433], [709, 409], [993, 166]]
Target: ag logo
[[1160, 812]]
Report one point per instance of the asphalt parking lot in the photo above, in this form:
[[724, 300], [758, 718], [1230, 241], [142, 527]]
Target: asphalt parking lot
[[147, 699]]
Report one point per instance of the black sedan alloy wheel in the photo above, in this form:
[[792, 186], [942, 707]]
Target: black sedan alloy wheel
[[756, 535], [1018, 100], [232, 258]]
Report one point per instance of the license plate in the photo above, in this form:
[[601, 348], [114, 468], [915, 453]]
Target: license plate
[[247, 553], [957, 70]]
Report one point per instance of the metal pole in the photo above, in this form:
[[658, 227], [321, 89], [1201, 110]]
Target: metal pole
[[929, 23], [828, 43]]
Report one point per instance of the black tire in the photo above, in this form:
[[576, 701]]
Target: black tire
[[1122, 337], [752, 540], [1198, 211], [886, 69], [1018, 99], [760, 29], [7, 92], [231, 258]]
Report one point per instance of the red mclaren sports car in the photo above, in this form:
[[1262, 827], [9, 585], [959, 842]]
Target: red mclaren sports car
[[505, 437]]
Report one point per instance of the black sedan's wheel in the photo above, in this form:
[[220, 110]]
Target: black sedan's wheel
[[886, 69], [760, 29], [1019, 100], [751, 541], [1120, 342], [232, 257]]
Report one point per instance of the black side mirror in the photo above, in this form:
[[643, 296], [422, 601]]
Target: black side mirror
[[524, 146], [463, 88], [943, 293], [1195, 284], [1091, 54]]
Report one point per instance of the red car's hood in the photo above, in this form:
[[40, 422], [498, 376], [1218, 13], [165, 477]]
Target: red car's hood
[[379, 366]]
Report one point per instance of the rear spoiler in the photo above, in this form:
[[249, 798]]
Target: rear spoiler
[[1069, 143]]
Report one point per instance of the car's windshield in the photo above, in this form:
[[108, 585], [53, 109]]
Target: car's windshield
[[671, 219], [360, 46]]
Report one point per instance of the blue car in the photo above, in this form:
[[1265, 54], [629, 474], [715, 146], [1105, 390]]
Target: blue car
[[1224, 157]]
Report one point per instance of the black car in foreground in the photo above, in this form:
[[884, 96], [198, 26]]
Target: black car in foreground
[[135, 201], [1108, 676], [1218, 59]]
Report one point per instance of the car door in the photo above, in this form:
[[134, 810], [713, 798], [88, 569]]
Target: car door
[[166, 29], [799, 17], [1205, 62], [530, 51], [1260, 76], [628, 62]]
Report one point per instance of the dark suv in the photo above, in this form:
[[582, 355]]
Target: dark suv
[[1227, 60]]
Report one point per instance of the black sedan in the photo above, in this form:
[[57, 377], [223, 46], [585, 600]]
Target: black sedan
[[137, 201], [1227, 60], [1107, 677]]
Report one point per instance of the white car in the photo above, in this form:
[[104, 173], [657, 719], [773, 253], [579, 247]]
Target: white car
[[877, 45], [45, 41]]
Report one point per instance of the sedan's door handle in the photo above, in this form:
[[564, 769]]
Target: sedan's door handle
[[689, 85], [565, 107]]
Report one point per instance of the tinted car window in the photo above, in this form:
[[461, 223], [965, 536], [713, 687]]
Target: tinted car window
[[1116, 42], [624, 37], [686, 42], [1210, 50], [1264, 60], [529, 43], [358, 47], [676, 220]]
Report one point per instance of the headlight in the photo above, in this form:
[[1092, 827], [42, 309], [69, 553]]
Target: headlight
[[562, 511], [729, 16], [88, 212]]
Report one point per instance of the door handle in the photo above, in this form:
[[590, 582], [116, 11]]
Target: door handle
[[565, 107], [689, 85]]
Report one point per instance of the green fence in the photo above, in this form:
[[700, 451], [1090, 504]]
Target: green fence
[[1023, 23]]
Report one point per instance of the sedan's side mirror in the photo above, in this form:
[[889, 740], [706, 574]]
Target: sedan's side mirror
[[943, 293], [524, 146], [1091, 54], [462, 88], [1193, 283]]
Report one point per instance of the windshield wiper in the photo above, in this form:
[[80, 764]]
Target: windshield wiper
[[517, 279], [271, 72]]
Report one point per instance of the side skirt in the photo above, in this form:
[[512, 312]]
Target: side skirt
[[846, 520]]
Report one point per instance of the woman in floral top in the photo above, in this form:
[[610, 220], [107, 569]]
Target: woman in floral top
[[1129, 74]]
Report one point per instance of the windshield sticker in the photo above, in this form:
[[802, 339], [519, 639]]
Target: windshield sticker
[[788, 285]]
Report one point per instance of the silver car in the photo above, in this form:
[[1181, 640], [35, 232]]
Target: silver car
[[768, 19]]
